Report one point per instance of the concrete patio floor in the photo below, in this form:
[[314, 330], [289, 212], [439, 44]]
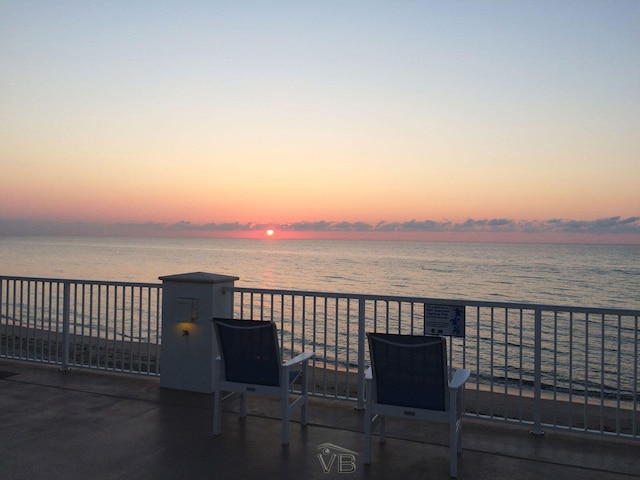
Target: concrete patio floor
[[92, 425]]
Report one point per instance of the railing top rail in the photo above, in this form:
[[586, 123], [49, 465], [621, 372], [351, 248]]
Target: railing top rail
[[81, 282], [366, 297], [442, 301]]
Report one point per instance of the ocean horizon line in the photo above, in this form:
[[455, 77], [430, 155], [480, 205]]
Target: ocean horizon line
[[345, 238], [615, 230]]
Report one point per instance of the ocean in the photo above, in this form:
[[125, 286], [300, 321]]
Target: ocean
[[558, 274], [555, 274]]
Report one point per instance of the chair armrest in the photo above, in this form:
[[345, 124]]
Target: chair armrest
[[461, 376], [303, 357], [368, 375]]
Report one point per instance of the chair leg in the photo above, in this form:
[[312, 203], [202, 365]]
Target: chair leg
[[303, 413], [367, 436], [455, 438], [285, 412], [305, 395], [217, 412], [371, 422], [217, 399], [454, 466], [243, 405]]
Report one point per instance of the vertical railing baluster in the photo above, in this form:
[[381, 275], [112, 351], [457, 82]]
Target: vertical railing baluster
[[99, 326], [142, 293], [619, 369], [28, 325], [586, 372], [337, 328], [272, 306], [520, 365], [50, 313], [325, 343], [386, 304], [555, 365], [603, 352], [148, 330], [314, 339], [158, 328], [73, 352], [282, 310], [636, 395], [83, 314], [506, 363], [293, 322], [15, 320], [361, 352], [303, 323], [570, 420], [491, 360], [120, 305], [11, 317], [131, 342], [478, 316], [65, 324], [3, 308], [347, 361], [537, 375]]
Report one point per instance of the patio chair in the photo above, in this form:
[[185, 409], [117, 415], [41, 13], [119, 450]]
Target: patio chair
[[249, 363], [408, 378]]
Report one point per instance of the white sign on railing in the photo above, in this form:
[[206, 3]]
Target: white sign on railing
[[445, 320]]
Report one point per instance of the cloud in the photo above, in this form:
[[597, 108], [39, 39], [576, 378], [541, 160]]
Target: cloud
[[495, 224], [141, 225], [424, 226], [212, 227], [353, 227], [603, 226], [321, 226], [608, 225]]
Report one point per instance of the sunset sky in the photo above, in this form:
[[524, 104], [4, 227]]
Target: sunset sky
[[434, 120]]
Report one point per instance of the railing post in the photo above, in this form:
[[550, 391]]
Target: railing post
[[537, 375], [361, 356], [66, 315]]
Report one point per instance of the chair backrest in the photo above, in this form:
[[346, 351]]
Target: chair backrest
[[249, 351], [409, 370]]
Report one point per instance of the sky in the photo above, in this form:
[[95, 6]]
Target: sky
[[466, 120]]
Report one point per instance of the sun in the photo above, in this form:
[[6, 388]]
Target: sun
[[270, 233]]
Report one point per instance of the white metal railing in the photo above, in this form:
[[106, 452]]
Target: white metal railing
[[546, 366], [78, 323]]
